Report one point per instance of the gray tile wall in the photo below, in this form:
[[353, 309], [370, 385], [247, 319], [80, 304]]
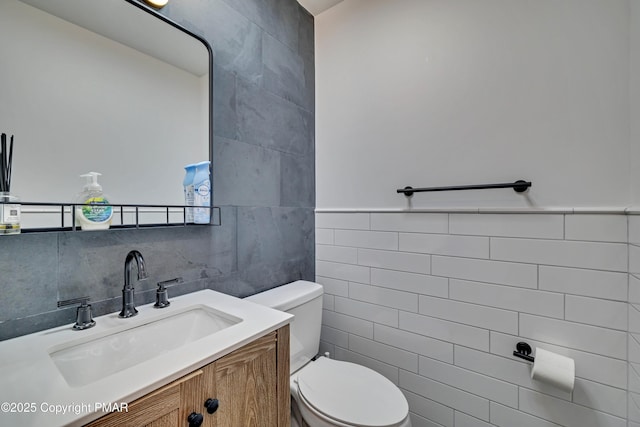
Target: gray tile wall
[[264, 180]]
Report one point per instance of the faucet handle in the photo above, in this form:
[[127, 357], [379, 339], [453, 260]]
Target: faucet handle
[[84, 318], [162, 296]]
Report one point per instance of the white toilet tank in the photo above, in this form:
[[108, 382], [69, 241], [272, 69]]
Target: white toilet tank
[[304, 300]]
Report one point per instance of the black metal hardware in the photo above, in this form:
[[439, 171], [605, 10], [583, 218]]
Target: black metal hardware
[[125, 205], [70, 209], [84, 318], [211, 405], [195, 419], [519, 186], [523, 351], [162, 296]]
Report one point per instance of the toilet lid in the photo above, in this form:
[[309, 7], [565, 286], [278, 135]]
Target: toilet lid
[[352, 394]]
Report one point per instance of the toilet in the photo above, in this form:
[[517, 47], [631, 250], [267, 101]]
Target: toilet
[[327, 392]]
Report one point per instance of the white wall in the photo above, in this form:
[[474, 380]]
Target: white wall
[[440, 92], [450, 92], [634, 92], [634, 322]]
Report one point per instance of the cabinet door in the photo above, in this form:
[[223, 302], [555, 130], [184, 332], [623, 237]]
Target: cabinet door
[[247, 385], [251, 385], [164, 407]]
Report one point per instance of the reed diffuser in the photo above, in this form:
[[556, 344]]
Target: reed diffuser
[[9, 203]]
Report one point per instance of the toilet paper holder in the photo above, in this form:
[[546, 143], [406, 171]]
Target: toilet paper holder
[[550, 368], [523, 351]]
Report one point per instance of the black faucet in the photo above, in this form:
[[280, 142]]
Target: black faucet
[[128, 306]]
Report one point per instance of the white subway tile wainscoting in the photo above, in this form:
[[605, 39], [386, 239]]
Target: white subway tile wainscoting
[[436, 302]]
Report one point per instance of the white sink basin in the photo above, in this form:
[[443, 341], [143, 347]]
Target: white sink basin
[[85, 361], [120, 360]]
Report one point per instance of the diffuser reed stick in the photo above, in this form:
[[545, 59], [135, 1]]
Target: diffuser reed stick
[[9, 203], [6, 158]]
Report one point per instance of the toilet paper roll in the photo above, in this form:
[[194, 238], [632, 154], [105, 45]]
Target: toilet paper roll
[[554, 369]]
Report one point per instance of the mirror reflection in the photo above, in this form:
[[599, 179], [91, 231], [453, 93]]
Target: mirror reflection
[[126, 96]]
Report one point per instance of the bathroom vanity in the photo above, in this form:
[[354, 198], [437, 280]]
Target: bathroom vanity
[[157, 368], [249, 387]]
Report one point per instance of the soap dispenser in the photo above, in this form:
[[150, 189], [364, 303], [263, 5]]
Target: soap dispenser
[[92, 210]]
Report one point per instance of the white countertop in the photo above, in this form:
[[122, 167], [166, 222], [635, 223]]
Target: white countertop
[[32, 389]]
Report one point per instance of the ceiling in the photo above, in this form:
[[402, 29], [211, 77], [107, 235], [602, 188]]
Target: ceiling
[[315, 7]]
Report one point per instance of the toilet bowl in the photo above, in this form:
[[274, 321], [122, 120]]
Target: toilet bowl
[[336, 393], [327, 392]]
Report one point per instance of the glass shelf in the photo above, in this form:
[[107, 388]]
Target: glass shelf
[[39, 217]]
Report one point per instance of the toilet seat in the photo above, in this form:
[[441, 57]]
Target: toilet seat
[[346, 393]]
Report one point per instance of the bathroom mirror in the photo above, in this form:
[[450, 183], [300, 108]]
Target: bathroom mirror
[[105, 86]]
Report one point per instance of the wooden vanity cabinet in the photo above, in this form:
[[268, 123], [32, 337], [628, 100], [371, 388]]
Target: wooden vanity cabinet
[[251, 385]]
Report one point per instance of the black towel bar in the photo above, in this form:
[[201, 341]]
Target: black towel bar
[[518, 186]]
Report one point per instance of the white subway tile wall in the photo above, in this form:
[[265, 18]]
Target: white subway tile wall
[[436, 302], [633, 378]]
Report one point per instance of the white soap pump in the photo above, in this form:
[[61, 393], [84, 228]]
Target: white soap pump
[[93, 211]]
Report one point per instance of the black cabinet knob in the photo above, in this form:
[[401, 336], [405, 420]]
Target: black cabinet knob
[[211, 405], [195, 420]]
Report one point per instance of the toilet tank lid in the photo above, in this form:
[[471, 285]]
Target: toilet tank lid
[[288, 296]]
